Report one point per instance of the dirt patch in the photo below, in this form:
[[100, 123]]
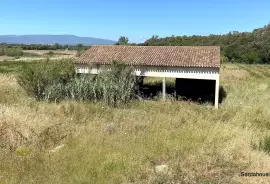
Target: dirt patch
[[2, 58]]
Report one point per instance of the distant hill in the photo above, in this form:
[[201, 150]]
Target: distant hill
[[52, 39]]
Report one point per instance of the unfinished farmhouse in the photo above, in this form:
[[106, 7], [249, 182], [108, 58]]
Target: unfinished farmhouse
[[189, 65]]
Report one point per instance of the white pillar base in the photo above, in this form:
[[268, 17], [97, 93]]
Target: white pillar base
[[217, 93], [164, 88]]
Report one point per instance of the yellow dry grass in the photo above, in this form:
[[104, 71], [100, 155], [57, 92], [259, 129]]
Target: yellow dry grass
[[123, 145], [2, 58], [42, 52]]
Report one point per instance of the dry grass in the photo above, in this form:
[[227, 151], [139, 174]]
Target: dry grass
[[232, 72], [112, 145], [42, 52], [2, 58], [29, 59]]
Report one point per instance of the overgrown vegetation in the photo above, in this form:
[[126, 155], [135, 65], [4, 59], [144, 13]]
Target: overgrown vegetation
[[13, 67], [14, 51], [117, 85], [56, 81], [265, 144], [37, 78]]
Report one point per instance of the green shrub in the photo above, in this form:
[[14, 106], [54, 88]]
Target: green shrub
[[224, 59], [251, 58], [55, 92], [2, 51], [36, 78], [55, 81], [50, 54], [79, 88], [116, 86], [265, 144], [83, 88], [16, 51]]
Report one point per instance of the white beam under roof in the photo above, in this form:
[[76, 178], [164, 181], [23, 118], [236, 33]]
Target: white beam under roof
[[168, 72]]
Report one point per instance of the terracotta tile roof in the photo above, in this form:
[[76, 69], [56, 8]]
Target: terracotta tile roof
[[182, 56]]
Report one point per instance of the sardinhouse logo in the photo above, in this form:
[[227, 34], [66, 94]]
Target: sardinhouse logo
[[255, 174]]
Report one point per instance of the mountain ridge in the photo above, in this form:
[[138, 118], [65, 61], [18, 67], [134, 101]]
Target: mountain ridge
[[49, 39]]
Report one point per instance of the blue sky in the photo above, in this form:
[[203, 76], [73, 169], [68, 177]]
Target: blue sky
[[137, 19]]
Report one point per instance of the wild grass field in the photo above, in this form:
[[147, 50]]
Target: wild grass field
[[42, 52], [101, 144], [2, 58], [33, 55]]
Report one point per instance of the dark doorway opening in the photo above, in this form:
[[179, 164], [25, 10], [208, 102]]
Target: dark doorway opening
[[182, 89], [195, 90]]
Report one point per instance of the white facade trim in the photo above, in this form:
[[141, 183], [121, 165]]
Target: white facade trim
[[168, 72]]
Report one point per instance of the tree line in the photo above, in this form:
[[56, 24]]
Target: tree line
[[242, 47], [17, 49], [44, 46]]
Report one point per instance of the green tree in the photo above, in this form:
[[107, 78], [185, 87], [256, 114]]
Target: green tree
[[56, 46], [80, 45], [122, 41], [2, 51], [248, 47]]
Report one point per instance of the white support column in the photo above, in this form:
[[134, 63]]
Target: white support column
[[217, 93], [164, 88]]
